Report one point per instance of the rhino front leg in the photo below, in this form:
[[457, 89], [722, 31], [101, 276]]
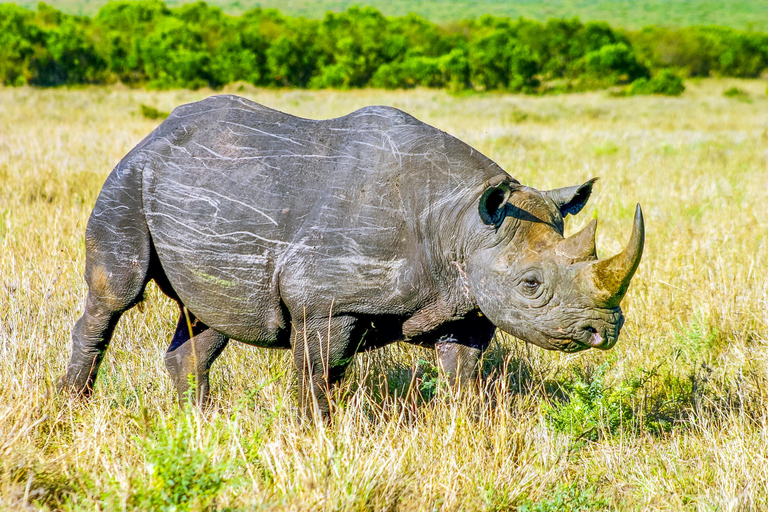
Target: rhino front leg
[[193, 355], [458, 362], [458, 353], [322, 351]]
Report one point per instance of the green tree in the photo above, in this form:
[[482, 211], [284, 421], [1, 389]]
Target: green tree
[[20, 39], [614, 63], [499, 60], [145, 42], [69, 55], [352, 45], [175, 55], [119, 29]]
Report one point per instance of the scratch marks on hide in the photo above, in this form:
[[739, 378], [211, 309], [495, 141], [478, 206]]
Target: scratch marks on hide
[[460, 267]]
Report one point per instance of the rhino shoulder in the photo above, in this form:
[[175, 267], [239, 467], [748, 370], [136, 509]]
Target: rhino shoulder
[[219, 103], [383, 115]]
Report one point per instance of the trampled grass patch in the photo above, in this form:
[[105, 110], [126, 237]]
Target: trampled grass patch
[[674, 417]]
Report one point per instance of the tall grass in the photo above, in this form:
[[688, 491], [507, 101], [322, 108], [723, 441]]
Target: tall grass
[[674, 417]]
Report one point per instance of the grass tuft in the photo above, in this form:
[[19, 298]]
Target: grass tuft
[[152, 113]]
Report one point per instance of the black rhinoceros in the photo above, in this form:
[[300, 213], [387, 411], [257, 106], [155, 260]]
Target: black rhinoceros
[[335, 236]]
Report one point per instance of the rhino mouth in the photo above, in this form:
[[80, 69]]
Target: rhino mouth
[[589, 337], [571, 347], [599, 335]]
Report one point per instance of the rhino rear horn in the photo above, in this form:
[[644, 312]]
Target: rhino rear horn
[[581, 246], [610, 277]]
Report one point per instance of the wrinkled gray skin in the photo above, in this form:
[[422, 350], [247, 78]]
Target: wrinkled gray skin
[[328, 238]]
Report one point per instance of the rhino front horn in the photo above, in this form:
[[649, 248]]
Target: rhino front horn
[[610, 277]]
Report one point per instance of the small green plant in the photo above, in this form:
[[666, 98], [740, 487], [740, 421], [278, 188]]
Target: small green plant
[[568, 498], [606, 149], [694, 342], [430, 379], [735, 92], [152, 113], [666, 83], [181, 475], [592, 409]]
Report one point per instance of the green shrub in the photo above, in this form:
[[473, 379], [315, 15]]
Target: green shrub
[[429, 381], [119, 28], [416, 70], [735, 92], [666, 82], [69, 55], [195, 45], [696, 341], [568, 498], [292, 62], [703, 51], [20, 39], [591, 409], [654, 400], [354, 44], [455, 69], [615, 63], [175, 55], [500, 60], [152, 113], [180, 474]]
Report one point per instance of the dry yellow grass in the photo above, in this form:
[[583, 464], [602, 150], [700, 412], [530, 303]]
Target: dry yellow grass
[[674, 417]]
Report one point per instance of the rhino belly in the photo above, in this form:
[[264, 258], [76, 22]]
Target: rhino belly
[[219, 255], [231, 292]]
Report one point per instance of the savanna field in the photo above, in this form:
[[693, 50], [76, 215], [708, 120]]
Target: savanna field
[[675, 417]]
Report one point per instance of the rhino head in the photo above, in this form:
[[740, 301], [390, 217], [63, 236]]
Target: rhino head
[[543, 288]]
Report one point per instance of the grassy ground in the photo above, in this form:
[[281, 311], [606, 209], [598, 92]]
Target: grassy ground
[[675, 417], [742, 14]]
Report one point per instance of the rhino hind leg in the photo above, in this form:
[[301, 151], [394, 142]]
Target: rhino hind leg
[[104, 306], [118, 250], [116, 272], [90, 338], [192, 354]]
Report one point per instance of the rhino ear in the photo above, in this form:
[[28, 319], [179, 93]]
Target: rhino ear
[[493, 203], [570, 200]]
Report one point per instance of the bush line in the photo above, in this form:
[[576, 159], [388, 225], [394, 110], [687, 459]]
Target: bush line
[[144, 43]]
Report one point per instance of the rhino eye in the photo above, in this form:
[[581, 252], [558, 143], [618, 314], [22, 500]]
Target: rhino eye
[[530, 285]]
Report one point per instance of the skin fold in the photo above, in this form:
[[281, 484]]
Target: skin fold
[[335, 236]]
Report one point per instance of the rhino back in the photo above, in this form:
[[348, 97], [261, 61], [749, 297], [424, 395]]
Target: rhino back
[[253, 211]]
